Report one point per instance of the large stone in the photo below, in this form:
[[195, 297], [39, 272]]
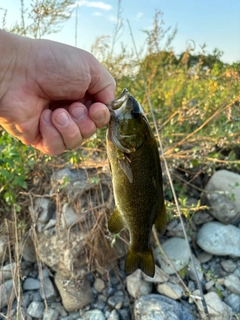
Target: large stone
[[222, 195], [75, 293], [80, 242], [136, 286], [219, 239], [156, 307], [176, 249]]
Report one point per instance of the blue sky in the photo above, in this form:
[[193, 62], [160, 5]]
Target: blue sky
[[213, 22]]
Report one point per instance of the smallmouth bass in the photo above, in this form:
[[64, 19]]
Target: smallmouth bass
[[137, 181]]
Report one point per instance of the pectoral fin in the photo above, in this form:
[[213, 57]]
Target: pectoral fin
[[161, 220], [115, 224], [125, 166]]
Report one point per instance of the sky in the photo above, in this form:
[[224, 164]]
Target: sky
[[215, 23]]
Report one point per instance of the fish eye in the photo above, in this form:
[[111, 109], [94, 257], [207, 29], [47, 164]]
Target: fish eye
[[135, 114]]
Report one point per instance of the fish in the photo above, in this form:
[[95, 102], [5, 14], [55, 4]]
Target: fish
[[137, 181]]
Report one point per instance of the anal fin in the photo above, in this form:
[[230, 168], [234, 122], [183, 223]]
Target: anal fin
[[115, 224]]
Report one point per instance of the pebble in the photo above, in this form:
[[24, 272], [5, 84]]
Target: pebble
[[7, 272], [159, 277], [156, 307], [219, 239], [99, 285], [176, 249], [228, 265], [216, 307], [35, 309], [202, 217], [6, 292], [222, 195], [113, 315], [75, 294], [27, 250], [136, 286], [232, 283], [47, 289], [233, 300], [204, 257], [50, 314], [93, 315], [31, 284], [170, 290]]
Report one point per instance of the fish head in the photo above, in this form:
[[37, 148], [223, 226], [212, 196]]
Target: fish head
[[127, 123]]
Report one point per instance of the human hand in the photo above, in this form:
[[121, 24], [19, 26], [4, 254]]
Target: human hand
[[52, 96]]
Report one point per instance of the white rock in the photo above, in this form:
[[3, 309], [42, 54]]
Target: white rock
[[176, 250], [232, 283], [159, 277], [93, 315], [219, 239], [136, 286], [216, 307], [223, 195], [170, 290], [99, 285]]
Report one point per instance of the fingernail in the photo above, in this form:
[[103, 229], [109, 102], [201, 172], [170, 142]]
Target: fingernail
[[79, 113], [99, 116], [46, 116], [62, 119]]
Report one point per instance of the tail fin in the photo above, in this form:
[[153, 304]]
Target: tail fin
[[140, 260]]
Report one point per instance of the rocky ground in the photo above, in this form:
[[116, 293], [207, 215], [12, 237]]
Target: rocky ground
[[70, 267]]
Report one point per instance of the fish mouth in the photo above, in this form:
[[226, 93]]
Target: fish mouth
[[119, 101]]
